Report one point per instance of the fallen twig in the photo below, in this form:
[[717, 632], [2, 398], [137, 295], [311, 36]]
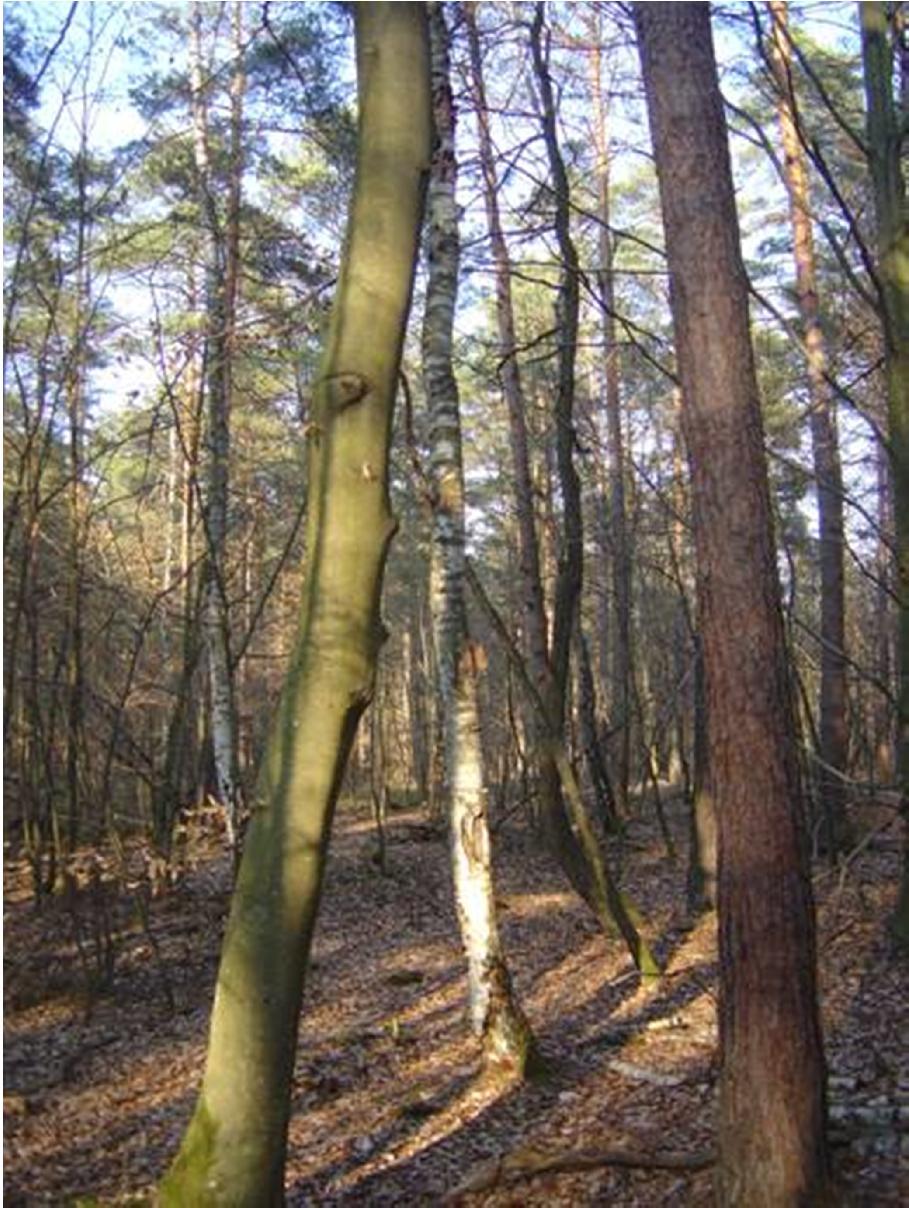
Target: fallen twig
[[526, 1163]]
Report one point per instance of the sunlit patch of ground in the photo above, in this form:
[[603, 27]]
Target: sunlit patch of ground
[[389, 1102]]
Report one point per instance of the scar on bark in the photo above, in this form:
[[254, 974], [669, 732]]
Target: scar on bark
[[345, 389], [474, 659]]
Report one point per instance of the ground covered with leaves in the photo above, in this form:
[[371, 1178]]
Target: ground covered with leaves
[[107, 991]]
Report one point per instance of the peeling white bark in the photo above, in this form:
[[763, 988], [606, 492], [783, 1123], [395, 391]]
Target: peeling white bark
[[494, 1015]]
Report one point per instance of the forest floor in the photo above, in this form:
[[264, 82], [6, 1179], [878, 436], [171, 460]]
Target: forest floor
[[389, 1106]]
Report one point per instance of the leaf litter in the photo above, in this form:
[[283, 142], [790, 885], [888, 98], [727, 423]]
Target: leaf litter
[[106, 1020]]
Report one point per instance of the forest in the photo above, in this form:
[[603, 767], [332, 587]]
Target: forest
[[456, 603]]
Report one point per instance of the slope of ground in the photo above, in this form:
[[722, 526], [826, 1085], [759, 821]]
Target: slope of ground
[[388, 1106]]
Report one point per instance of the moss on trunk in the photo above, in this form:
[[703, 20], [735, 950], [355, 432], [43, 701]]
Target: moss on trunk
[[885, 136]]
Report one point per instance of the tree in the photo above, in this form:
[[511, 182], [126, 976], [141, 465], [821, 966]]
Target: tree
[[570, 560], [772, 1148], [570, 837], [886, 133], [222, 250], [234, 1147], [494, 1014], [621, 653], [832, 726], [532, 605], [58, 207]]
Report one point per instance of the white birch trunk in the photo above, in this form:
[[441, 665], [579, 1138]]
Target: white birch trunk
[[494, 1014], [220, 288]]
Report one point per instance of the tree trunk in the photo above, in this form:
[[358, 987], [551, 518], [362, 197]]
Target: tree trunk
[[590, 741], [548, 678], [533, 615], [570, 565], [75, 375], [772, 1103], [886, 130], [569, 577], [234, 1149], [702, 853], [600, 891], [186, 406], [495, 1016], [834, 735], [620, 720], [884, 768], [221, 276]]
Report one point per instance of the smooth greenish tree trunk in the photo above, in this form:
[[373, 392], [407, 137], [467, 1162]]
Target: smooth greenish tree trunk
[[886, 126], [233, 1151]]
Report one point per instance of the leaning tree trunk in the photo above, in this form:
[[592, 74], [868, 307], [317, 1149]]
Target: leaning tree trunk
[[834, 733], [494, 1014], [772, 1149], [886, 132], [549, 677], [569, 577], [234, 1148]]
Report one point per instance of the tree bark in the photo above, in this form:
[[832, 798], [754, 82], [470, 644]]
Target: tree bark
[[886, 127], [548, 674], [494, 1013], [620, 650], [221, 277], [186, 415], [602, 895], [569, 577], [772, 1148], [884, 767], [533, 613], [234, 1149], [75, 392], [834, 733], [702, 856], [590, 741]]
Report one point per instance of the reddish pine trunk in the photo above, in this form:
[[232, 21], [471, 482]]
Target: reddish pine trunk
[[771, 1127]]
